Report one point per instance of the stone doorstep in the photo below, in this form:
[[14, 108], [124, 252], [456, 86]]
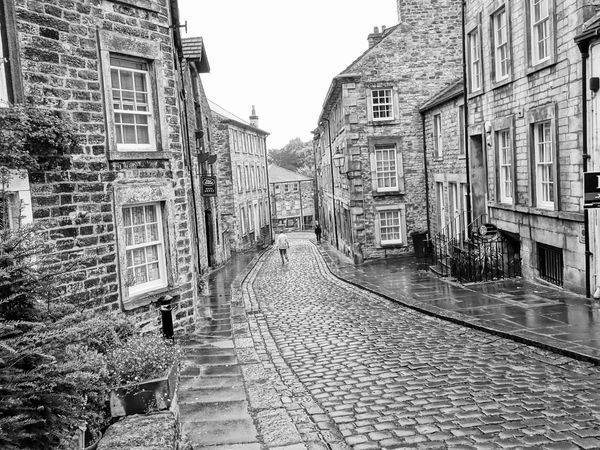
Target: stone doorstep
[[212, 395], [198, 382], [220, 432], [214, 412], [210, 360]]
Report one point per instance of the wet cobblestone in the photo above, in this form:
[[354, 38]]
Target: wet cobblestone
[[357, 371]]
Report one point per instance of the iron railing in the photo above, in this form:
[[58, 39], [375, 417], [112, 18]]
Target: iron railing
[[476, 252], [550, 264]]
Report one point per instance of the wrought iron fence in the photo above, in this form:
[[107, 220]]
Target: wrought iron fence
[[550, 263]]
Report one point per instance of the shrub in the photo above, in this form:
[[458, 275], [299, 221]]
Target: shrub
[[142, 357]]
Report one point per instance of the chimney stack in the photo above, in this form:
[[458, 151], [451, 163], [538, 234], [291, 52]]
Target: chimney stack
[[254, 118], [375, 36]]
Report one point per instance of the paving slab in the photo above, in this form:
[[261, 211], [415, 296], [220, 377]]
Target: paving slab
[[220, 432]]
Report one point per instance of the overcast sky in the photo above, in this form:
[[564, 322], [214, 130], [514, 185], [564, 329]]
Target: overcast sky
[[280, 55]]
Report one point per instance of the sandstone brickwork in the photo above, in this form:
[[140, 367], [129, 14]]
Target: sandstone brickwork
[[65, 51]]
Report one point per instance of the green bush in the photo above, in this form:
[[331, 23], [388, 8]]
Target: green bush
[[141, 358]]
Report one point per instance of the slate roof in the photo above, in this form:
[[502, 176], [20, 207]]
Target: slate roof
[[280, 175], [227, 115], [193, 49], [453, 90]]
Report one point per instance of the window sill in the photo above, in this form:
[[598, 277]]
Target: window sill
[[148, 297], [387, 194], [541, 66], [377, 123], [136, 156], [475, 94], [398, 245], [502, 83], [562, 215], [142, 4]]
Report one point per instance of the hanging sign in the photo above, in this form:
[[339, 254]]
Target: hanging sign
[[591, 190], [209, 186]]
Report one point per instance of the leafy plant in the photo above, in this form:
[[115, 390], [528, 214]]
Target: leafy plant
[[35, 139], [142, 357]]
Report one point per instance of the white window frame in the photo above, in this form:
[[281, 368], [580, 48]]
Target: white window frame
[[243, 219], [246, 178], [441, 205], [389, 212], [240, 179], [475, 69], [438, 141], [148, 113], [4, 80], [386, 169], [16, 193], [499, 23], [505, 165], [162, 281], [382, 100], [541, 31], [543, 150]]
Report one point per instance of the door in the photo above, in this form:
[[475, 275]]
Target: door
[[478, 175]]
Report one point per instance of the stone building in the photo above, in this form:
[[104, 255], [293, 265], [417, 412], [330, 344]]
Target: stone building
[[214, 245], [242, 178], [525, 130], [292, 199], [369, 145], [126, 199], [445, 160]]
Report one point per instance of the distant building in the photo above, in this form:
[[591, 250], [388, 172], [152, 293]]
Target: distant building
[[292, 199], [369, 143], [242, 179]]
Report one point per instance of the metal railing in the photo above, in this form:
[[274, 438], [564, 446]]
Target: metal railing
[[476, 252], [550, 264]]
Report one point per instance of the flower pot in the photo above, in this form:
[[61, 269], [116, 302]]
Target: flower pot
[[140, 398]]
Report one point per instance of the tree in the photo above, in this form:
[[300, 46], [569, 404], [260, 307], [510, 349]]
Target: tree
[[296, 156]]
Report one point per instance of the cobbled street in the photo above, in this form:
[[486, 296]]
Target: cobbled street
[[359, 371]]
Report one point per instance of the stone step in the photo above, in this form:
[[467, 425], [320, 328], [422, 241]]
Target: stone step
[[212, 395], [210, 371], [211, 412], [208, 351], [210, 360], [209, 382], [220, 432]]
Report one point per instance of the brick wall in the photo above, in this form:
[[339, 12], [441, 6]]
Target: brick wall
[[61, 45], [549, 91]]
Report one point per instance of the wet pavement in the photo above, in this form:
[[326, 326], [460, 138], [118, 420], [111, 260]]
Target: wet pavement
[[294, 358], [531, 313]]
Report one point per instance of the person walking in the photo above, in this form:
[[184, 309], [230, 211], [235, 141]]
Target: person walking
[[283, 244], [318, 232]]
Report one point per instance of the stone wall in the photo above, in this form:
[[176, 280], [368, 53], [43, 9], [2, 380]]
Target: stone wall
[[295, 202], [533, 93], [64, 52]]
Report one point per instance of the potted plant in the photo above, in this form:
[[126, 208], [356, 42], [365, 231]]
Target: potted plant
[[144, 372]]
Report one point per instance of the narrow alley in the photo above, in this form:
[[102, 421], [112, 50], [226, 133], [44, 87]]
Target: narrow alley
[[328, 365]]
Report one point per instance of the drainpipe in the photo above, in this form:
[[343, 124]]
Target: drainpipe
[[584, 48], [466, 114], [332, 183], [426, 176], [301, 211]]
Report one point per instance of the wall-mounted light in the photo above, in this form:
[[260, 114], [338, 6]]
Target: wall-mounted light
[[339, 160]]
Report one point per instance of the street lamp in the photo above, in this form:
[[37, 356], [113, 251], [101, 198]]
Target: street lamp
[[339, 160]]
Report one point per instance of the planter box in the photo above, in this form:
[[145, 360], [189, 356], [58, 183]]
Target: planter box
[[139, 398]]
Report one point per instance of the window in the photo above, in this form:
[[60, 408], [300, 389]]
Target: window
[[296, 187], [437, 135], [461, 130], [277, 188], [132, 104], [250, 218], [4, 72], [390, 229], [504, 146], [240, 180], [441, 205], [550, 263], [243, 220], [144, 248], [474, 61], [15, 200], [544, 161], [246, 178], [253, 178], [539, 18], [286, 187], [386, 168], [500, 45], [382, 104]]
